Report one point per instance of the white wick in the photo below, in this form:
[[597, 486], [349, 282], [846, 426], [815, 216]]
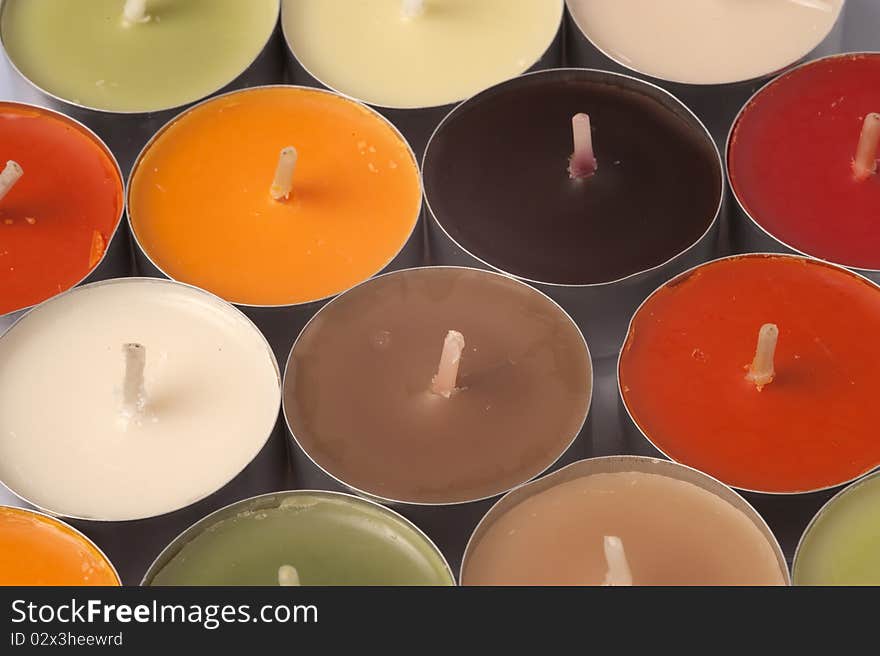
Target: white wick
[[412, 8], [282, 185], [443, 384], [618, 573], [134, 396], [762, 371], [288, 576], [135, 11], [9, 177], [583, 162], [821, 5], [865, 164]]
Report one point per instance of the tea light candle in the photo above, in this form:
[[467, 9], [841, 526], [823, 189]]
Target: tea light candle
[[499, 182], [207, 398], [623, 520], [162, 53], [821, 196], [748, 368], [302, 538], [60, 205], [841, 546], [39, 550], [456, 385]]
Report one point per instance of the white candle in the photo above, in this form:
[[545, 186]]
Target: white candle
[[212, 389]]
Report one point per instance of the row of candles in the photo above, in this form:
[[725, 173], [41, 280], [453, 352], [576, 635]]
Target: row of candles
[[262, 198]]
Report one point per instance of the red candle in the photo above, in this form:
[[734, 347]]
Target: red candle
[[692, 383], [58, 216], [791, 160]]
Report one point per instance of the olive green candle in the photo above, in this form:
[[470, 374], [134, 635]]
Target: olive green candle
[[326, 537]]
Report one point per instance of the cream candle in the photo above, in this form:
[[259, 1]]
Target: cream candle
[[623, 520], [207, 394]]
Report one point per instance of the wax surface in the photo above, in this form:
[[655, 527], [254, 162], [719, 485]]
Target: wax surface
[[38, 550], [356, 389], [683, 367], [368, 50], [83, 53], [212, 390], [71, 190], [705, 41], [843, 546], [329, 540], [673, 533], [496, 176], [200, 203], [791, 158]]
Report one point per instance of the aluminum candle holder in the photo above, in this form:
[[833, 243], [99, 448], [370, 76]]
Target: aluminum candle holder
[[127, 132]]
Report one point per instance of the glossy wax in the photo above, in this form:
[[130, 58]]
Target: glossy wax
[[200, 204], [39, 550], [357, 397], [329, 540], [673, 533], [71, 191], [212, 399], [791, 155], [842, 547], [706, 41], [83, 52], [369, 50], [683, 373], [496, 177]]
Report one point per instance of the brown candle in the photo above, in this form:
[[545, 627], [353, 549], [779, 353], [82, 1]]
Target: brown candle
[[367, 393]]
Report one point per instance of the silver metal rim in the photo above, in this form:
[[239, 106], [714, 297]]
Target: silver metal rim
[[727, 150], [135, 113], [689, 272], [216, 299], [183, 538], [398, 502], [632, 81], [134, 169]]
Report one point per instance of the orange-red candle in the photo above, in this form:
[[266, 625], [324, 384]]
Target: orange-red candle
[[202, 207], [57, 219], [684, 373], [38, 550]]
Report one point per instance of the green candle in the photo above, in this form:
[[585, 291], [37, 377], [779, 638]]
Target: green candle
[[313, 538], [106, 55], [842, 544]]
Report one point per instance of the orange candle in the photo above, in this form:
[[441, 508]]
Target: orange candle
[[38, 550], [206, 207], [57, 218]]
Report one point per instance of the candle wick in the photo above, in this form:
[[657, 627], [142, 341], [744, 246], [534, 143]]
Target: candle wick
[[10, 175], [412, 8], [135, 11], [582, 164], [443, 384], [282, 185], [288, 576], [762, 371], [134, 395], [865, 163], [619, 573]]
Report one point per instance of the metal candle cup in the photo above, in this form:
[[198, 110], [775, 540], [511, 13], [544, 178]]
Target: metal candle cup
[[282, 322], [748, 230], [619, 465], [714, 104], [453, 455], [602, 308], [135, 541], [305, 501], [116, 260], [416, 123], [126, 132]]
